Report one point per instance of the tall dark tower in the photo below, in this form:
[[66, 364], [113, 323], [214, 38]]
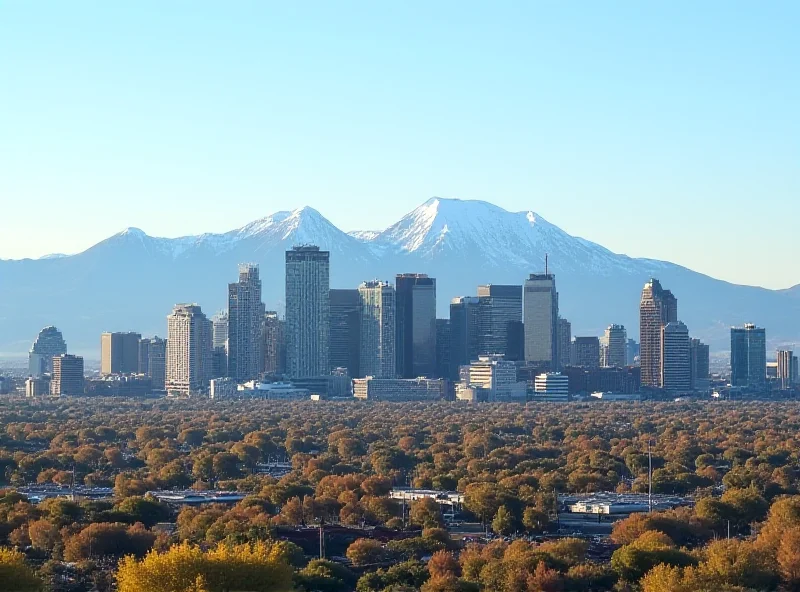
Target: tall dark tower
[[415, 325]]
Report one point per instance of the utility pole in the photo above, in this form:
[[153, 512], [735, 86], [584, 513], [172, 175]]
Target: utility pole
[[321, 538], [649, 477]]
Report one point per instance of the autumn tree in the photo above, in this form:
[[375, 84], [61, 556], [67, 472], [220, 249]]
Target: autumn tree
[[15, 575], [259, 567]]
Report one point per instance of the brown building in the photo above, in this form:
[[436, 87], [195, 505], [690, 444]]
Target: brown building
[[658, 307], [119, 353]]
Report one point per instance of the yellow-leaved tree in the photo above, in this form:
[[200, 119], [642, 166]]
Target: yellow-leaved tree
[[260, 567], [15, 575]]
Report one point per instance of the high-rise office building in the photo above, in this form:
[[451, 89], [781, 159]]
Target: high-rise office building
[[274, 344], [415, 325], [500, 317], [465, 319], [786, 375], [564, 332], [540, 315], [676, 372], [152, 360], [48, 344], [378, 330], [307, 312], [632, 352], [67, 375], [219, 343], [245, 317], [345, 347], [443, 348], [657, 308], [188, 364], [616, 342], [119, 353], [586, 352], [699, 361], [748, 356]]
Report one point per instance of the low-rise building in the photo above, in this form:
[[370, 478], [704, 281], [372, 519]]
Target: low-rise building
[[397, 389], [551, 386]]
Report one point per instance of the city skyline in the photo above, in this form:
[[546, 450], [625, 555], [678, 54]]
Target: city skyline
[[546, 107]]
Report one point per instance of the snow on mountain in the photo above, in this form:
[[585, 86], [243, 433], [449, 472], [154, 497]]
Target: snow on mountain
[[480, 229], [131, 280]]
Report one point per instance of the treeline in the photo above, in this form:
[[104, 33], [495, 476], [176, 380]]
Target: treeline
[[739, 460]]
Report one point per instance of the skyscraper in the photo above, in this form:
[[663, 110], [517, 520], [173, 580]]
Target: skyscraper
[[657, 308], [415, 325], [307, 312], [245, 317], [675, 360], [564, 330], [541, 319], [274, 344], [48, 344], [500, 309], [617, 342], [345, 348], [219, 343], [119, 353], [152, 360], [699, 358], [67, 375], [586, 352], [378, 330], [188, 364], [464, 332], [443, 348], [748, 356]]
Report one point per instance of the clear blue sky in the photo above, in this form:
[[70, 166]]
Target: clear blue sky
[[667, 130]]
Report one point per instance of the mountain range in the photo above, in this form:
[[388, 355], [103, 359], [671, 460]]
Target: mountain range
[[131, 280]]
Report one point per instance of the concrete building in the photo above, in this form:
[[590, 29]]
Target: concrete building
[[443, 348], [48, 344], [399, 389], [219, 343], [657, 308], [632, 353], [786, 369], [540, 316], [551, 386], [153, 360], [188, 363], [699, 360], [676, 370], [748, 356], [564, 330], [308, 310], [119, 353], [415, 323], [274, 391], [67, 375], [245, 318], [616, 338], [37, 387], [378, 329], [222, 388], [464, 332], [274, 336], [345, 335], [586, 352], [498, 377], [499, 320]]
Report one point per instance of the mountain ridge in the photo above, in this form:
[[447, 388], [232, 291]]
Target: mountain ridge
[[131, 280]]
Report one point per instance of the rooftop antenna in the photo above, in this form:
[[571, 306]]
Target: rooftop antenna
[[545, 264]]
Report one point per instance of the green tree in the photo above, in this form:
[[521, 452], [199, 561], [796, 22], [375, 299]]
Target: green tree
[[503, 522]]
